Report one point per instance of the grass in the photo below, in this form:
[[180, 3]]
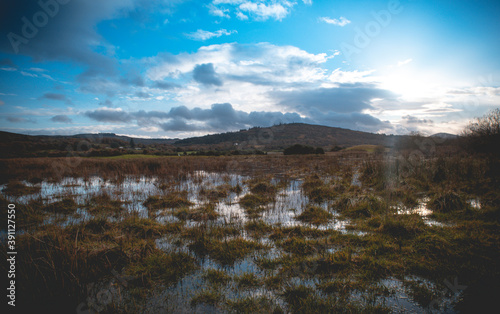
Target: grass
[[315, 215], [65, 206], [448, 201], [171, 200], [216, 277], [128, 156], [209, 297], [224, 252], [311, 269], [248, 280], [17, 188], [168, 268]]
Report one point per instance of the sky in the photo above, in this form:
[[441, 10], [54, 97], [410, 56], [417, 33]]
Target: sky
[[182, 68]]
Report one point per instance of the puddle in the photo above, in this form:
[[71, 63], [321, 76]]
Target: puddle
[[423, 211]]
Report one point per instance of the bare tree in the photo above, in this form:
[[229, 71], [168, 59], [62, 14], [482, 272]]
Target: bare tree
[[483, 134]]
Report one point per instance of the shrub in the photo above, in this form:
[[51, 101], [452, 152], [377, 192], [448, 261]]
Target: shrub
[[447, 202], [299, 149]]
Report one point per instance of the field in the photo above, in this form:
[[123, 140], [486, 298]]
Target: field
[[356, 231]]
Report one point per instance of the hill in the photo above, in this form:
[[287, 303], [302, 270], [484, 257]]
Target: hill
[[281, 136]]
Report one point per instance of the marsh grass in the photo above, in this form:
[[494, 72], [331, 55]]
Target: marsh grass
[[65, 206], [173, 199], [248, 280], [17, 188], [216, 277], [167, 268], [315, 215], [448, 201], [301, 268], [104, 203], [208, 297]]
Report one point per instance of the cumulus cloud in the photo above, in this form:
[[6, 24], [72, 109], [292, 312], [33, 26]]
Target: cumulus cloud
[[205, 74], [342, 99], [20, 120], [342, 21], [223, 117], [253, 62], [414, 120], [219, 117], [164, 85], [106, 114], [56, 96], [61, 119], [204, 35], [259, 10], [220, 12]]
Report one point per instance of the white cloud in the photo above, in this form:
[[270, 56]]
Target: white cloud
[[241, 16], [342, 21], [343, 77], [264, 11], [204, 35], [220, 12], [401, 63], [260, 10]]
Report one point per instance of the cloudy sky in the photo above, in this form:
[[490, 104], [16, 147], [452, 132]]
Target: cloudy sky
[[179, 68]]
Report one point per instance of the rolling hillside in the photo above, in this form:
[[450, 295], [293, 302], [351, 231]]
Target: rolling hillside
[[282, 136]]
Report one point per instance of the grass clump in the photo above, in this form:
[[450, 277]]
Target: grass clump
[[248, 280], [216, 277], [258, 228], [263, 188], [166, 268], [171, 200], [402, 226], [64, 206], [225, 252], [341, 287], [362, 208], [303, 299], [447, 202], [221, 191], [316, 190], [203, 213], [141, 227], [209, 297], [17, 188], [315, 215], [300, 246], [252, 201], [104, 203]]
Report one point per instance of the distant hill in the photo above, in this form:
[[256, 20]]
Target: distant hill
[[19, 145], [282, 136], [445, 135], [9, 137], [275, 138]]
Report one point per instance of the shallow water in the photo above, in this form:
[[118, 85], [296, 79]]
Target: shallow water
[[289, 203]]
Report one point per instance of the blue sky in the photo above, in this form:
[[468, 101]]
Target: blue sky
[[179, 68]]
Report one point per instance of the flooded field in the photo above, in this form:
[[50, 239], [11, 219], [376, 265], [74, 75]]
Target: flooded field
[[329, 236]]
